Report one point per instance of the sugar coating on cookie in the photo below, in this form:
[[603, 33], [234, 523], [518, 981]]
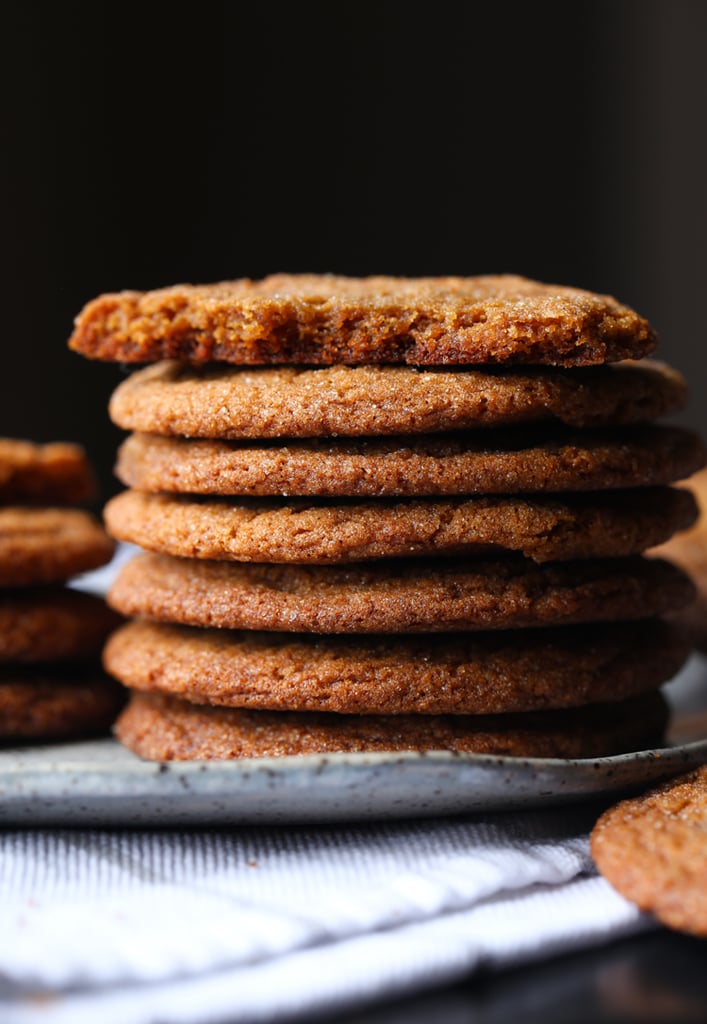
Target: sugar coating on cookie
[[56, 702], [481, 674], [327, 319], [39, 624], [52, 474], [543, 528], [39, 545], [510, 462], [164, 728], [218, 401], [653, 849], [406, 596]]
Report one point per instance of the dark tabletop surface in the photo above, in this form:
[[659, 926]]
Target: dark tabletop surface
[[657, 977]]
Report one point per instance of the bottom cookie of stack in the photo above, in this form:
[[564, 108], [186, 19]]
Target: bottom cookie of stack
[[164, 728]]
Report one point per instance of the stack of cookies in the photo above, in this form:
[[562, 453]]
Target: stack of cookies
[[391, 514], [51, 683]]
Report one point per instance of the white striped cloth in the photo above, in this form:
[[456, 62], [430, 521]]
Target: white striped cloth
[[265, 924]]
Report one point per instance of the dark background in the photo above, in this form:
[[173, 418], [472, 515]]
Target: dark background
[[144, 146]]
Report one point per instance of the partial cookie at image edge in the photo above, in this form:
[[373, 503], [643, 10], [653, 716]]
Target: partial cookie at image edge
[[57, 473], [56, 702], [52, 623], [652, 849], [48, 545], [689, 551]]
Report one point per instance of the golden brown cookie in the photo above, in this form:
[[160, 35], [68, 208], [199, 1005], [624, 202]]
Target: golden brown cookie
[[689, 550], [325, 319], [219, 401], [50, 474], [49, 545], [52, 623], [407, 596], [503, 463], [653, 849], [165, 729], [542, 528], [481, 674], [56, 702]]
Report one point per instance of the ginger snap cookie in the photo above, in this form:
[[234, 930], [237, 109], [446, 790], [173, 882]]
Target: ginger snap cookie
[[511, 462], [652, 848], [51, 474], [543, 528], [482, 674], [164, 728], [327, 319], [406, 596], [39, 545], [55, 703], [689, 550], [227, 402], [52, 623]]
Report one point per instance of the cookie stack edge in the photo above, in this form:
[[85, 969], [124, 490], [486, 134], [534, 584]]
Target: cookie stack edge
[[51, 683]]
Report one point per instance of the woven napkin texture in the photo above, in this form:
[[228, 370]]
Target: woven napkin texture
[[266, 924]]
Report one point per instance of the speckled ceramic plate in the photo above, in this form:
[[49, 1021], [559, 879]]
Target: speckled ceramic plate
[[100, 783]]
